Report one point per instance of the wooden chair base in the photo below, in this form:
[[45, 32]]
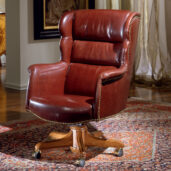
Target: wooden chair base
[[78, 139]]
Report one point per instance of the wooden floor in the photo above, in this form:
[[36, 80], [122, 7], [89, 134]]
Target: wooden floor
[[12, 102]]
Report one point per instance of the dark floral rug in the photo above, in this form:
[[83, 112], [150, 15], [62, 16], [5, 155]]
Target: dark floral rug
[[144, 127]]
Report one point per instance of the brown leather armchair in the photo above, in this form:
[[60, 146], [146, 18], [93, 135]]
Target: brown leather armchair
[[91, 82]]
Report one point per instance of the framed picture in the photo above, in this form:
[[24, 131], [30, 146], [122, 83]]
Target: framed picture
[[47, 14]]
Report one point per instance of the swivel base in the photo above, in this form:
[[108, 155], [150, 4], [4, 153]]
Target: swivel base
[[78, 139]]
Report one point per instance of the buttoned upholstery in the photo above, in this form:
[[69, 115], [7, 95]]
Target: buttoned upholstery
[[92, 79]]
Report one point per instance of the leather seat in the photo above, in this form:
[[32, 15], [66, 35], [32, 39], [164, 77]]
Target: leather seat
[[63, 108]]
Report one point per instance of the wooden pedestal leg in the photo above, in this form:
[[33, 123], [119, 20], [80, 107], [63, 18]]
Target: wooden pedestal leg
[[99, 142], [59, 140], [98, 134], [78, 139], [57, 135], [94, 141]]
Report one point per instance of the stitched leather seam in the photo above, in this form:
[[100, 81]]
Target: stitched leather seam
[[98, 113], [85, 121], [134, 18], [130, 26], [61, 122]]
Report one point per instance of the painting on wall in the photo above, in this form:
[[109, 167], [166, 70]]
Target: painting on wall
[[47, 14]]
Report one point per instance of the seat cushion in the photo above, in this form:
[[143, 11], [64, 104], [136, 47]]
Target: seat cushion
[[62, 108]]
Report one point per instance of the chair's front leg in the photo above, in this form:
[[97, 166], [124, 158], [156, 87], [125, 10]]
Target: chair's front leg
[[105, 143], [98, 134], [59, 141], [94, 141]]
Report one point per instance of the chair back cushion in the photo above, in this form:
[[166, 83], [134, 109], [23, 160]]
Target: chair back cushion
[[91, 39], [100, 25], [93, 36], [98, 37], [96, 53]]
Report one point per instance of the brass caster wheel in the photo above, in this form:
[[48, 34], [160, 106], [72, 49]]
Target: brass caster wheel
[[37, 155], [80, 163], [118, 152]]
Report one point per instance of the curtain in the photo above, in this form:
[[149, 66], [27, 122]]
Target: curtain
[[107, 4], [153, 57]]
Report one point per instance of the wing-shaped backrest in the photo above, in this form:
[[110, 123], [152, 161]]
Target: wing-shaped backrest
[[92, 41]]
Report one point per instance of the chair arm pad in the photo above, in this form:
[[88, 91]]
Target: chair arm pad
[[112, 75], [46, 79], [111, 88]]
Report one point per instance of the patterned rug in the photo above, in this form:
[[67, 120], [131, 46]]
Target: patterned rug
[[144, 127]]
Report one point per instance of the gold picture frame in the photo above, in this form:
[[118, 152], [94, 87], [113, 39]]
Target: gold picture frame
[[53, 9], [43, 29]]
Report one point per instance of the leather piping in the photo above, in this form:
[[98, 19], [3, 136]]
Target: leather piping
[[98, 113], [71, 123]]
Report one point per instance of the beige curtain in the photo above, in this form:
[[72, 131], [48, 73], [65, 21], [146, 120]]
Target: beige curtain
[[107, 4], [153, 57]]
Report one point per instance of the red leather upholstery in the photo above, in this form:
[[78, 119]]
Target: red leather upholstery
[[90, 52], [98, 25], [63, 108], [82, 78], [92, 80]]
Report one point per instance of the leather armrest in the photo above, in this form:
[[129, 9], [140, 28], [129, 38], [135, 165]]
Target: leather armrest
[[46, 79], [112, 88], [112, 75], [111, 98]]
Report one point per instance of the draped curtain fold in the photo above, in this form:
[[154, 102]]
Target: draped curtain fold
[[152, 60]]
